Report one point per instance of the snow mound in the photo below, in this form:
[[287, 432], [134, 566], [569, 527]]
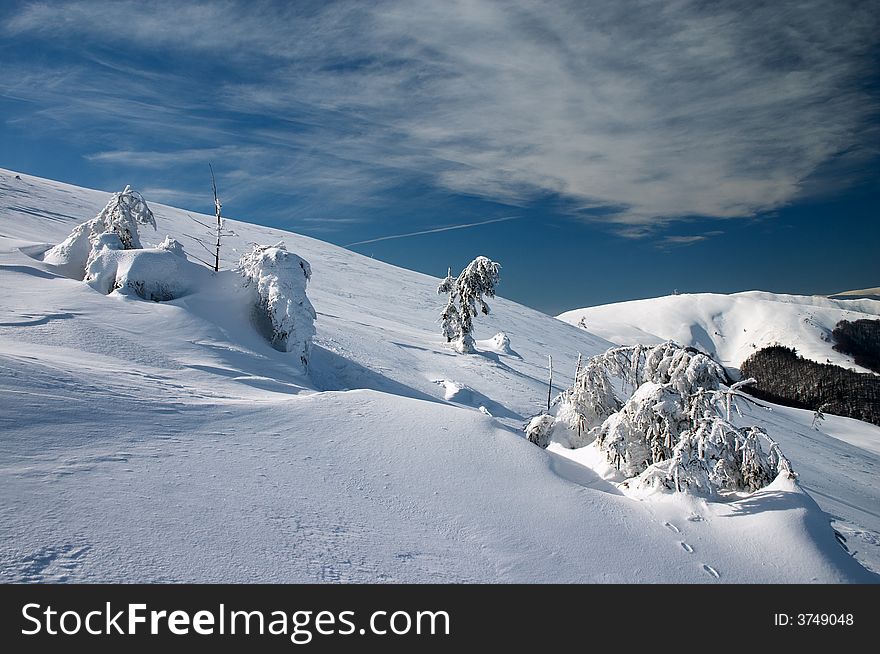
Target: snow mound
[[500, 344], [156, 274], [458, 393], [72, 254]]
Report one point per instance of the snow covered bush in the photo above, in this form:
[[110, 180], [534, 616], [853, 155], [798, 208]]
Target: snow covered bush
[[121, 217], [101, 265], [466, 292], [600, 388], [154, 274], [645, 430], [674, 431], [591, 399], [107, 254], [282, 310], [717, 455], [71, 256]]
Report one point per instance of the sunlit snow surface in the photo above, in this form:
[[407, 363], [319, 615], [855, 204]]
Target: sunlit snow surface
[[144, 441], [731, 327]]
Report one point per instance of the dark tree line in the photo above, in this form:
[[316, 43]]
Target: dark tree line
[[861, 340], [786, 378]]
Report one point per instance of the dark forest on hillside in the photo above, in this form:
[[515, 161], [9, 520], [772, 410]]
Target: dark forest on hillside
[[861, 340], [786, 378]]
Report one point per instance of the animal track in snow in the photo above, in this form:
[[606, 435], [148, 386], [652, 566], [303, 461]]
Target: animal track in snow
[[711, 571], [672, 527], [687, 548]]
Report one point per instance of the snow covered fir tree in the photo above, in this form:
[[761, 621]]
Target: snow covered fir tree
[[282, 310], [664, 418], [465, 301]]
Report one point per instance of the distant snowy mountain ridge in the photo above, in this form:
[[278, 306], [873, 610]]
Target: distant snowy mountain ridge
[[730, 327]]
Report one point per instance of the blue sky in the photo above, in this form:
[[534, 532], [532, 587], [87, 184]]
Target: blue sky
[[600, 151]]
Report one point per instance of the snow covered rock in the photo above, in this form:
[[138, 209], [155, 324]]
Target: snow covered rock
[[283, 312], [499, 343], [539, 428]]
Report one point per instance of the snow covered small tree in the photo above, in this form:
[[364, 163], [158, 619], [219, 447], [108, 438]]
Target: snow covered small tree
[[123, 214], [217, 231], [675, 430], [465, 301], [590, 400], [645, 430], [449, 319], [714, 455], [121, 217], [594, 397], [819, 415], [282, 309]]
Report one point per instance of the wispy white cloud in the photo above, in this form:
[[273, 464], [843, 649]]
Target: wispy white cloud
[[685, 240], [659, 109], [434, 230], [156, 159], [327, 224]]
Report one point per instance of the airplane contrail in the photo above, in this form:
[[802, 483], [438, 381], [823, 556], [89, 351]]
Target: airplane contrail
[[432, 231]]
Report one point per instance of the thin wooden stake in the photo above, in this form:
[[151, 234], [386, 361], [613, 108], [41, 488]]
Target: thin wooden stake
[[217, 207], [550, 387]]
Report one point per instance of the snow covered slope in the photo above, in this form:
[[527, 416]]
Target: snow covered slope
[[730, 327], [145, 441]]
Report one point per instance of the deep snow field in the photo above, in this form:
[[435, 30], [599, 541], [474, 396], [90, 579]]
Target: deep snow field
[[147, 442]]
